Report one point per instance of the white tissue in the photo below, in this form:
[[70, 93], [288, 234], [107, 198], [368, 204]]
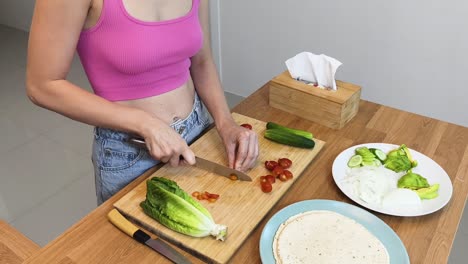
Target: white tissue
[[319, 69]]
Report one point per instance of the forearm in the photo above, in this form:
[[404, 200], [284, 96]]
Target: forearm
[[76, 103], [209, 88]]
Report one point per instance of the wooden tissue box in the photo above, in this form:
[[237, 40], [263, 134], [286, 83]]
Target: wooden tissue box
[[329, 108]]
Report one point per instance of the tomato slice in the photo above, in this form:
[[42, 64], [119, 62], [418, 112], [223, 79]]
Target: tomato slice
[[288, 174], [248, 126], [285, 163], [212, 195], [277, 171], [270, 164], [270, 178], [282, 177], [266, 187], [195, 194]]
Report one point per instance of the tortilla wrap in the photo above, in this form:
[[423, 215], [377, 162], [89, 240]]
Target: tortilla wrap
[[326, 237]]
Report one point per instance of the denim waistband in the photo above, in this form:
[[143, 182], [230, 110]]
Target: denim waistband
[[179, 125]]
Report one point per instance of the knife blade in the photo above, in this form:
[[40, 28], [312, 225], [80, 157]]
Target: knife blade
[[156, 244], [205, 164], [220, 169]]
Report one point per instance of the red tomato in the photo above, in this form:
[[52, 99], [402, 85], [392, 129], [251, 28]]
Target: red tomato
[[263, 179], [270, 164], [288, 174], [285, 163], [195, 194], [270, 178], [277, 171], [266, 187], [211, 195], [248, 126], [282, 177]]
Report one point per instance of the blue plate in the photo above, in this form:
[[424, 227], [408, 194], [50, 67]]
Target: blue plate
[[377, 227]]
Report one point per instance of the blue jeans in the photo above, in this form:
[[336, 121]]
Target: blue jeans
[[117, 162]]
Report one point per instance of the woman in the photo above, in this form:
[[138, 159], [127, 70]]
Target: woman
[[149, 63]]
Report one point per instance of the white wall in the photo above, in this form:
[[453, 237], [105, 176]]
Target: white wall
[[411, 55], [16, 13]]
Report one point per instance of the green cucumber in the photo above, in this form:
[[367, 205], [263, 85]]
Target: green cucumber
[[368, 163], [379, 154], [355, 161], [286, 138], [377, 163], [365, 153], [306, 134]]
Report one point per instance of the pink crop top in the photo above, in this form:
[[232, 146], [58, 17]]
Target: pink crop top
[[126, 58]]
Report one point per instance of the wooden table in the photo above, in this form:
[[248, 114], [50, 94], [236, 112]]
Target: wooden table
[[14, 246], [428, 239]]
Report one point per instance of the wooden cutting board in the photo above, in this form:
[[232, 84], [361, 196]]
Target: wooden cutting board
[[241, 206]]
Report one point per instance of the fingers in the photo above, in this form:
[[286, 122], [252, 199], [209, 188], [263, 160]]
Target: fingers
[[188, 157], [247, 152], [231, 153], [253, 151], [175, 157], [175, 153], [242, 150], [174, 160]]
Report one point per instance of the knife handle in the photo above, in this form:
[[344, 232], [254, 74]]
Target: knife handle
[[138, 142], [116, 218]]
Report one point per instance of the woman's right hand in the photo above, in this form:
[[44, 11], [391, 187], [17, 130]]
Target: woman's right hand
[[165, 144]]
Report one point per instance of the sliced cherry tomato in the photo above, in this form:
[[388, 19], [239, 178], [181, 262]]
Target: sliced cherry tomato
[[270, 178], [248, 126], [277, 171], [285, 163], [214, 195], [263, 179], [233, 177], [203, 196], [282, 177], [211, 195], [288, 174], [270, 164], [212, 200], [266, 187], [195, 194]]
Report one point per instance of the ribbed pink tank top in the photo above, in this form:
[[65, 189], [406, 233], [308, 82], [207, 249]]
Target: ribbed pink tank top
[[126, 58]]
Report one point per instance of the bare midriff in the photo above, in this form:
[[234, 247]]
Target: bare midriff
[[168, 107]]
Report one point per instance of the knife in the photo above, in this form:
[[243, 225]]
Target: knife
[[157, 244], [204, 164]]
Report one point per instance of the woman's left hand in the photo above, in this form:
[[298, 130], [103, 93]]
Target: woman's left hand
[[241, 146]]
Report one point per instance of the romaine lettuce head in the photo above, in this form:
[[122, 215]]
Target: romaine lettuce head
[[167, 203]]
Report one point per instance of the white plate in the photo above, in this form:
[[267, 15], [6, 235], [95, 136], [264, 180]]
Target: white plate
[[426, 167]]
